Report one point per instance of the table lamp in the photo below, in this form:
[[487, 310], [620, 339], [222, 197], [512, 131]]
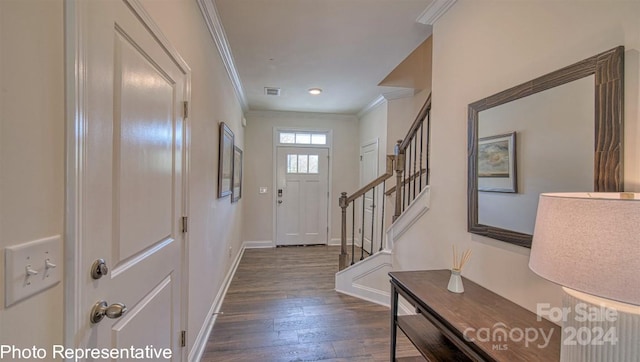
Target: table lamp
[[589, 243]]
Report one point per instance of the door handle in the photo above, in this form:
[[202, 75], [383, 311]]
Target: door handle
[[101, 309]]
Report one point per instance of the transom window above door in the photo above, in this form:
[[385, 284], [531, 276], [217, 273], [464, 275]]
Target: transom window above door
[[303, 138]]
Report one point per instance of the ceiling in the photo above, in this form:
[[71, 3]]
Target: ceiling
[[345, 47]]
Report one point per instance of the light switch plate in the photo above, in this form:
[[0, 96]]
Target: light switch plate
[[32, 256]]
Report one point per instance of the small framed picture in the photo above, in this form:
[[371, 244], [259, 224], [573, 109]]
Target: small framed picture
[[497, 163], [225, 161], [237, 174]]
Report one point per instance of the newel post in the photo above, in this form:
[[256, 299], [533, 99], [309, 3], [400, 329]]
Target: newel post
[[344, 257], [399, 170]]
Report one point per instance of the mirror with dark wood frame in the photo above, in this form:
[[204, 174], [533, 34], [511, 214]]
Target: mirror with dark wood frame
[[605, 72]]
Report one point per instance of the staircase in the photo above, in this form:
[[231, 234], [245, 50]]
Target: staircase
[[366, 256]]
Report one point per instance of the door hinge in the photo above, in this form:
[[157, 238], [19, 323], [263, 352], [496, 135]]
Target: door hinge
[[185, 223], [185, 109], [183, 338]]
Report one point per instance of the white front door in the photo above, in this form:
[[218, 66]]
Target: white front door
[[130, 196], [368, 173], [302, 195]]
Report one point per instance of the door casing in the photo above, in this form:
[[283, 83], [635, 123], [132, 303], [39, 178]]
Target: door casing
[[274, 155]]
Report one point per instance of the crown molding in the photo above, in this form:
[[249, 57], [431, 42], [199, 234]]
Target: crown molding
[[210, 13], [434, 11], [295, 115], [371, 106], [401, 93], [384, 97]]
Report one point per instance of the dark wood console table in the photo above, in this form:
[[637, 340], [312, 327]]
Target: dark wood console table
[[477, 325]]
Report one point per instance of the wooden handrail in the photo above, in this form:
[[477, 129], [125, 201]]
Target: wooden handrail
[[366, 188], [344, 202], [416, 124]]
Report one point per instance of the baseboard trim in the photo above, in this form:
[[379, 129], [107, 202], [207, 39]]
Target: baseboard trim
[[404, 308], [262, 244], [383, 300], [201, 340]]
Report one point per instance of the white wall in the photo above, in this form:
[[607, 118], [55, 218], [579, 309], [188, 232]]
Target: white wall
[[259, 165], [483, 47], [31, 155], [214, 224]]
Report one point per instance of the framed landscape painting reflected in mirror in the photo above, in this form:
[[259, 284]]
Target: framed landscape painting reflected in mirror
[[225, 161], [497, 163], [237, 174]]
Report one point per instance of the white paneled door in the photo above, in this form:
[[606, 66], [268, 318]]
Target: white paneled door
[[302, 195], [130, 190]]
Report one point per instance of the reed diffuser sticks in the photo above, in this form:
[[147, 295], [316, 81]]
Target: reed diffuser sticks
[[459, 262]]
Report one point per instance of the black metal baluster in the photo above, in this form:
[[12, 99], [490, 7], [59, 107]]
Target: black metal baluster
[[411, 171], [421, 148], [428, 147], [403, 185], [362, 232], [373, 214], [353, 232], [415, 169], [384, 187]]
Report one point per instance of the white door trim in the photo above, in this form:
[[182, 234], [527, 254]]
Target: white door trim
[[76, 49], [274, 155]]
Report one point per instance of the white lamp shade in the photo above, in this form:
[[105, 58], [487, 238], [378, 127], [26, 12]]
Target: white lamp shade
[[589, 242]]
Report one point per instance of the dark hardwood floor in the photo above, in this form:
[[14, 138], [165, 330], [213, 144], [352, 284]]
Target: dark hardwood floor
[[282, 306]]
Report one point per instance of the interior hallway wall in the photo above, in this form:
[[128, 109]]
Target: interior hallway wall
[[31, 155]]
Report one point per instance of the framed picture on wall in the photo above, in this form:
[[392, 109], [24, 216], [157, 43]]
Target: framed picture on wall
[[225, 161], [237, 174], [497, 163]]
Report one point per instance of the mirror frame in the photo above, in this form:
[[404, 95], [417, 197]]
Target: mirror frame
[[608, 68]]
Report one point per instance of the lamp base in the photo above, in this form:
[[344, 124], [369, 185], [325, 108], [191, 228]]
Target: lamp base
[[595, 329]]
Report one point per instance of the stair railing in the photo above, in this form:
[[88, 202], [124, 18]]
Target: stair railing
[[346, 201], [412, 170], [410, 163]]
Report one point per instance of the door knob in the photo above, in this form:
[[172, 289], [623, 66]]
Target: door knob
[[101, 309], [99, 269]]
